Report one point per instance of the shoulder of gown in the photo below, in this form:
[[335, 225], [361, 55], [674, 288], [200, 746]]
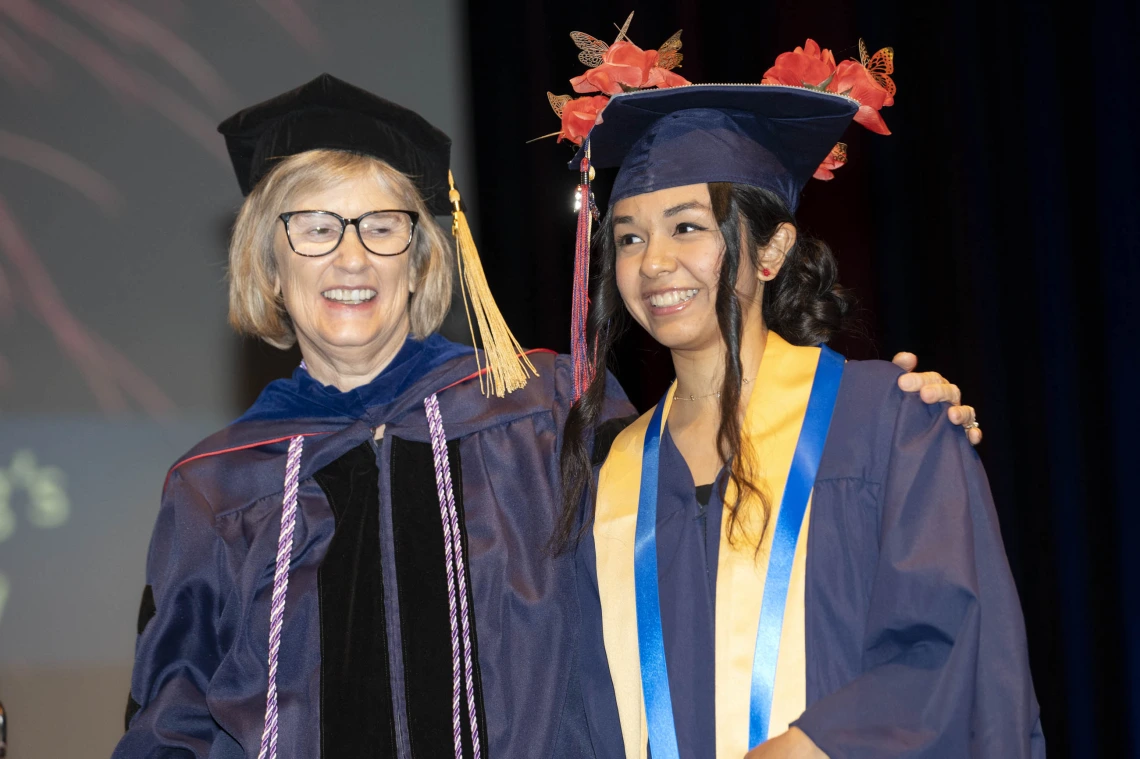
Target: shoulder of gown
[[859, 438], [466, 410], [244, 462], [915, 639]]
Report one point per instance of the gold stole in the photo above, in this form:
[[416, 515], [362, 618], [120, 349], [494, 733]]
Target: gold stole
[[772, 426]]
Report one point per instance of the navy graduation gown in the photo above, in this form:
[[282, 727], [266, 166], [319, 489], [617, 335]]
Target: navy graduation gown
[[915, 641], [365, 663]]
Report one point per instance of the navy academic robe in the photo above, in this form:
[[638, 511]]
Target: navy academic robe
[[365, 662], [914, 638]]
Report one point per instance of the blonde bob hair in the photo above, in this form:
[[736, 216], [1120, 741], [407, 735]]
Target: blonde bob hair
[[256, 307]]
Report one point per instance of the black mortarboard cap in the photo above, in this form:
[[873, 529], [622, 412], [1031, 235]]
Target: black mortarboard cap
[[767, 136], [332, 114]]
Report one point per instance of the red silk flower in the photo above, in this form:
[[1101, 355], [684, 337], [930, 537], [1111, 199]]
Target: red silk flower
[[854, 80], [624, 63], [811, 66], [805, 66], [836, 159], [579, 116]]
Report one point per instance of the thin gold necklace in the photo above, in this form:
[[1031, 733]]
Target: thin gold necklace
[[743, 381]]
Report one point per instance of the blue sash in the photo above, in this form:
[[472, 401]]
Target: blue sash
[[797, 492]]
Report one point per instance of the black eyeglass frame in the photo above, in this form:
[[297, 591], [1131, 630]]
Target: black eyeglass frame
[[413, 215]]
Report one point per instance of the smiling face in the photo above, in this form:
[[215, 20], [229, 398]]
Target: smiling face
[[351, 305], [669, 249]]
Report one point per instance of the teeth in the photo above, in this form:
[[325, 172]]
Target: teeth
[[352, 297], [671, 298]]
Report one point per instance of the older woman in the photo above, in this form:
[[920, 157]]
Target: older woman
[[357, 566], [386, 625], [786, 557]]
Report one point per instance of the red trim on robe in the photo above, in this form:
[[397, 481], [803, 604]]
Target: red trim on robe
[[481, 372], [237, 448], [311, 434]]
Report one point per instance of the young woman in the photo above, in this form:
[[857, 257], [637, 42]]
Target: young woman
[[786, 556]]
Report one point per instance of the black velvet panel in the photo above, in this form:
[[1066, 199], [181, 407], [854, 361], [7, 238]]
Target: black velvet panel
[[356, 697], [331, 114], [132, 709], [147, 609], [421, 576]]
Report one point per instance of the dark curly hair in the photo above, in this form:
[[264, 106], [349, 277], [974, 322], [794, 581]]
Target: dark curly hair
[[804, 304]]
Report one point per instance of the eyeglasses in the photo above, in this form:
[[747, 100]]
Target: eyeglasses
[[318, 233]]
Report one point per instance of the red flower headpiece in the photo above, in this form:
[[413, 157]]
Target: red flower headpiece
[[620, 67], [624, 67], [867, 81]]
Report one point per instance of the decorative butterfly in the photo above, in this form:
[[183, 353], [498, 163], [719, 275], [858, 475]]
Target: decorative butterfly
[[879, 66], [669, 54], [839, 153], [593, 48], [558, 102]]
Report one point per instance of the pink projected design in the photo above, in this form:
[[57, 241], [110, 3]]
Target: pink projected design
[[293, 19], [19, 63], [72, 172], [130, 26], [120, 78], [108, 373], [116, 383]]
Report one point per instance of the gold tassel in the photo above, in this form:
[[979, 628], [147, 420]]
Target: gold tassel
[[507, 366]]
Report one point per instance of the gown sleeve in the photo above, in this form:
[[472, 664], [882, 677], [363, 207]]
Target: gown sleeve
[[178, 648], [945, 666], [589, 717]]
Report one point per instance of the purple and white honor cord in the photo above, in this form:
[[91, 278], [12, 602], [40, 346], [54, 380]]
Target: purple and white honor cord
[[280, 585], [456, 576]]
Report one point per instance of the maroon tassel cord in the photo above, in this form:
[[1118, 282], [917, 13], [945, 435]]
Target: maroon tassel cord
[[585, 365]]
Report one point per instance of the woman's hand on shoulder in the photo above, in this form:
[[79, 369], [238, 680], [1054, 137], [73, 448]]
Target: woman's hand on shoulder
[[794, 744], [932, 387]]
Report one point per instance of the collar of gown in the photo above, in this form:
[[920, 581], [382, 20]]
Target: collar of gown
[[302, 397]]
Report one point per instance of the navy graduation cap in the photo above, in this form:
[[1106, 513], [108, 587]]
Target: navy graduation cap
[[768, 136]]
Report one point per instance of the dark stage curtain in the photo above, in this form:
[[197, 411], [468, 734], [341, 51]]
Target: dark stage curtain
[[995, 233]]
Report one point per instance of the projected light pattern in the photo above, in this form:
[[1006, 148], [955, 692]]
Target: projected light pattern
[[109, 375], [30, 33], [48, 505], [119, 77], [5, 589]]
